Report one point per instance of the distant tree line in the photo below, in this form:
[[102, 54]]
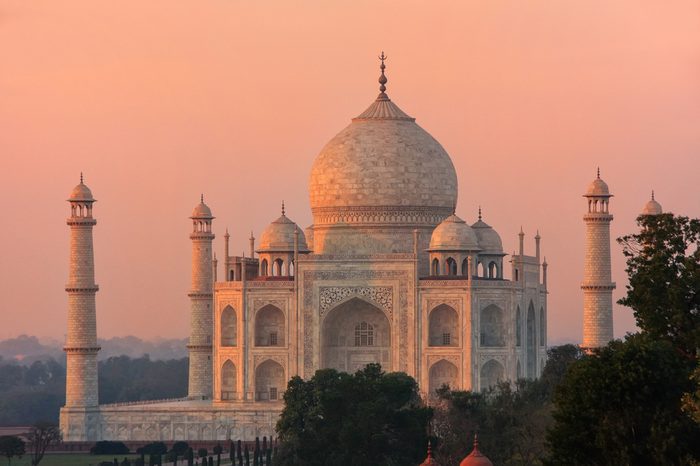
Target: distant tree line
[[29, 394]]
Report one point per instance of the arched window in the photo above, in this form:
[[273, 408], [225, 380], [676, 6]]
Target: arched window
[[435, 269], [291, 268], [230, 275], [269, 381], [531, 342], [492, 325], [228, 381], [543, 327], [518, 327], [493, 270], [364, 334], [491, 373], [228, 327], [517, 275], [465, 267], [451, 267], [442, 373], [443, 326], [269, 326], [263, 267], [277, 268]]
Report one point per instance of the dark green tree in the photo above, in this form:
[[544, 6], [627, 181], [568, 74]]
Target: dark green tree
[[202, 452], [368, 418], [10, 447], [663, 265], [622, 406], [190, 456], [218, 449]]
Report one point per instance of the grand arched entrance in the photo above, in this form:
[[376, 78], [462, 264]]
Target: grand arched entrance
[[354, 334]]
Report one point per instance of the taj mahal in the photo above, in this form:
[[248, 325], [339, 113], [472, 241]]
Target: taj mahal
[[387, 273]]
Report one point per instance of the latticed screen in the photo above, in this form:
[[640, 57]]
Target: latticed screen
[[364, 334], [446, 339]]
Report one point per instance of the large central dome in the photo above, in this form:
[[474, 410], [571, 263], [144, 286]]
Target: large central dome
[[382, 168]]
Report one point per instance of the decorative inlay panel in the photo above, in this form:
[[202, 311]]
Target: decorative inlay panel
[[453, 303], [382, 296], [310, 277], [262, 302]]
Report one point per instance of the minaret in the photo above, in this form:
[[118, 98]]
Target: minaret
[[597, 283], [81, 340], [201, 298], [652, 207]]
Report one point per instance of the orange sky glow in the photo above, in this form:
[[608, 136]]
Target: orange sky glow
[[158, 101]]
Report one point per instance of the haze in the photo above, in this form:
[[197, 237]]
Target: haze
[[159, 101]]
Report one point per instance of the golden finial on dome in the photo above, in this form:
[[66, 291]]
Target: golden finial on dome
[[282, 207], [479, 212], [382, 78], [598, 173], [81, 177]]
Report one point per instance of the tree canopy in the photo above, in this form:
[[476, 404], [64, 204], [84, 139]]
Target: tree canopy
[[622, 406], [10, 447], [663, 265], [366, 418]]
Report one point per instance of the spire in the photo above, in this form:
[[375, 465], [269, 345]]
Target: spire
[[652, 195], [282, 207], [479, 212], [201, 198], [537, 236], [226, 235], [598, 174], [382, 78], [81, 178], [476, 440]]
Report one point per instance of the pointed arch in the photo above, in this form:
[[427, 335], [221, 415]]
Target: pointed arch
[[492, 326], [269, 381], [269, 326], [450, 267], [442, 373], [531, 342], [493, 270], [465, 267], [263, 267], [443, 326], [435, 268], [228, 327], [518, 327], [543, 327], [229, 378], [492, 372]]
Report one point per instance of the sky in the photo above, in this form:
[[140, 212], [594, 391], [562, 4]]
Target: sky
[[159, 101]]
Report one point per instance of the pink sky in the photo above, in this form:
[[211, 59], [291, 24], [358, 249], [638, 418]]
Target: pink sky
[[158, 101]]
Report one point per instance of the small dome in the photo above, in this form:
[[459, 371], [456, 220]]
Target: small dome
[[81, 193], [429, 460], [652, 207], [476, 458], [598, 187], [453, 234], [279, 237], [202, 211], [489, 239]]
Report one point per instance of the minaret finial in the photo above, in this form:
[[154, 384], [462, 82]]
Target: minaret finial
[[201, 198], [282, 207], [598, 175], [476, 440], [652, 194], [81, 177], [382, 78], [479, 212]]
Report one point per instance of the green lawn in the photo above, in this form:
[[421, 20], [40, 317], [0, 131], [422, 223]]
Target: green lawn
[[66, 459]]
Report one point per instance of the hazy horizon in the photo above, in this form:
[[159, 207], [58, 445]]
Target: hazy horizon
[[157, 102]]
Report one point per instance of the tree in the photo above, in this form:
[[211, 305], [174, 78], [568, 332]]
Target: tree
[[11, 446], [180, 448], [218, 449], [202, 453], [368, 418], [663, 264], [41, 436], [621, 406]]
